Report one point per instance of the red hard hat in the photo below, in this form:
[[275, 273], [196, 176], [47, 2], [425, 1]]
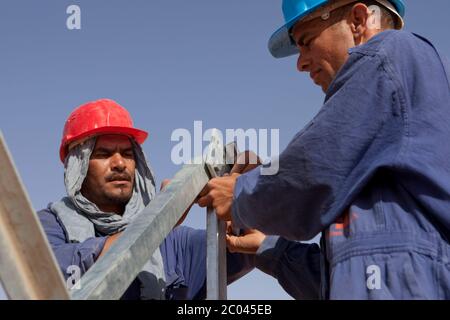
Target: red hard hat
[[96, 118]]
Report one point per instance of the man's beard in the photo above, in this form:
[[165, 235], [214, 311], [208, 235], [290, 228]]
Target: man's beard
[[119, 199], [122, 198]]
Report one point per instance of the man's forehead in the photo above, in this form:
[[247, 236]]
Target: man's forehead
[[303, 27], [112, 141]]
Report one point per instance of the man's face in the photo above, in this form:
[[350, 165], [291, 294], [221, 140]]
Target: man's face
[[323, 49], [110, 178]]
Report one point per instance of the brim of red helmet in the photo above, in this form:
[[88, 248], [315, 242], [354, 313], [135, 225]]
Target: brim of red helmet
[[138, 135]]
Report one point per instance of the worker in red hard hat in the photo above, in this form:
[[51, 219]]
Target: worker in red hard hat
[[108, 182]]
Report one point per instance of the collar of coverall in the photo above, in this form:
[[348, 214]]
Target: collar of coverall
[[325, 11]]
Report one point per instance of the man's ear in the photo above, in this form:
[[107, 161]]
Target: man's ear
[[358, 19]]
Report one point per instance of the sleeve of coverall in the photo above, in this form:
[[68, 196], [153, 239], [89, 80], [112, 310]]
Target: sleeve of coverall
[[82, 255], [322, 168], [295, 265]]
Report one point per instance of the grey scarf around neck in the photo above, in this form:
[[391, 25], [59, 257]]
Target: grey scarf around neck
[[82, 219]]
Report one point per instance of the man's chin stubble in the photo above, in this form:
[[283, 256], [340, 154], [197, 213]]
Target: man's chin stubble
[[121, 199]]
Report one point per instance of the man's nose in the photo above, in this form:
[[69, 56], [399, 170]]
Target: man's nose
[[303, 63], [118, 162]]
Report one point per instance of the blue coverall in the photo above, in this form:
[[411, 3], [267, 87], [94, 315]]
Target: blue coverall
[[371, 172]]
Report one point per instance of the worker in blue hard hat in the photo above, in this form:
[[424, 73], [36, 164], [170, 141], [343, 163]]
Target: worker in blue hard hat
[[307, 18], [370, 172]]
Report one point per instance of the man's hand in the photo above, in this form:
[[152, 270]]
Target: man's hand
[[109, 242], [249, 242], [218, 194]]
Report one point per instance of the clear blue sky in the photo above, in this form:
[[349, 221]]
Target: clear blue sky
[[169, 63]]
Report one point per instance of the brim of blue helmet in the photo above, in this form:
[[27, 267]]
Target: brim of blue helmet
[[280, 43]]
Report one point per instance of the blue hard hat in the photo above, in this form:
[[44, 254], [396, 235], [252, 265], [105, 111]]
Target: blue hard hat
[[281, 44]]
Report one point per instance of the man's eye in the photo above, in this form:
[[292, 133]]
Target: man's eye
[[303, 43]]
